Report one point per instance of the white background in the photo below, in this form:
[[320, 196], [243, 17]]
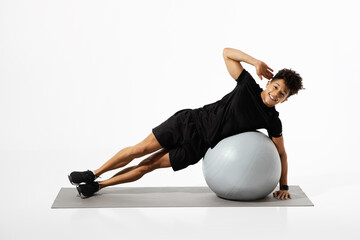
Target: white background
[[79, 80]]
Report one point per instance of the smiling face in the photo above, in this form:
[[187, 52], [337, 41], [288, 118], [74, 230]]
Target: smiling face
[[275, 92]]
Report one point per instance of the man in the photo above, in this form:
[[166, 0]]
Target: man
[[184, 138]]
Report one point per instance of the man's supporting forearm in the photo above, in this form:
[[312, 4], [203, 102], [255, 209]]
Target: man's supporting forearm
[[284, 169]]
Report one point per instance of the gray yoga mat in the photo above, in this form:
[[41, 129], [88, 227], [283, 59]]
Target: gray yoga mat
[[143, 197]]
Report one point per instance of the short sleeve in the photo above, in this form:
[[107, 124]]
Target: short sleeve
[[275, 128], [243, 75]]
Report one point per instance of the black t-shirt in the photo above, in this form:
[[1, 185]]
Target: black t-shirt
[[239, 111]]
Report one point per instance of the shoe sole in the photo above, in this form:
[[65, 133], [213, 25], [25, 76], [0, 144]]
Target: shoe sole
[[80, 193], [71, 181]]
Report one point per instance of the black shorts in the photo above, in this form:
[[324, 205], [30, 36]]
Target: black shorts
[[179, 136]]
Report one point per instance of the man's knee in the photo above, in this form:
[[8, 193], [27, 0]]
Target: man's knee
[[138, 150], [146, 167], [148, 145], [155, 161]]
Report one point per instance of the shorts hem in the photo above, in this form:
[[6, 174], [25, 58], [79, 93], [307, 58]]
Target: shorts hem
[[157, 138]]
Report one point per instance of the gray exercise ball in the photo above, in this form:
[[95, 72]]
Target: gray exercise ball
[[242, 167]]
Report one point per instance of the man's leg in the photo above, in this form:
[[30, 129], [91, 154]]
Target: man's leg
[[126, 155], [157, 160]]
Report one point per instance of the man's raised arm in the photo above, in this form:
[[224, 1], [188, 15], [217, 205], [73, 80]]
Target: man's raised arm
[[233, 57]]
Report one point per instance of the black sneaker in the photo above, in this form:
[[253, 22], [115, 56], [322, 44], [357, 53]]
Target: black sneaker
[[88, 189], [76, 178]]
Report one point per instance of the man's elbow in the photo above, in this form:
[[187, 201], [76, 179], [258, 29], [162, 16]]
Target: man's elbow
[[226, 52]]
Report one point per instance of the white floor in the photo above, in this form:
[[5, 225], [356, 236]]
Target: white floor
[[28, 193]]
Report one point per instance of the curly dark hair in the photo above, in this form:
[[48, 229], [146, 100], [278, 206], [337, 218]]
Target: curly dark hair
[[292, 80]]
